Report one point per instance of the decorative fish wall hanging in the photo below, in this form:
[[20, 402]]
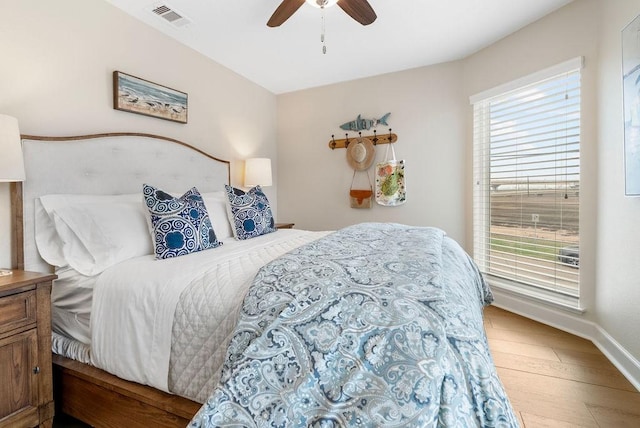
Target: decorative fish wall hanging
[[359, 124]]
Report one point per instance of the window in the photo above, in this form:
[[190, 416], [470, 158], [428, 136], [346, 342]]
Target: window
[[527, 184]]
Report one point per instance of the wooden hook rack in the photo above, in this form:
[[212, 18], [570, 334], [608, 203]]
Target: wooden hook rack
[[375, 139]]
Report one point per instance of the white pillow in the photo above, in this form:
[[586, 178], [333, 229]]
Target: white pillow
[[92, 232], [216, 203], [48, 241]]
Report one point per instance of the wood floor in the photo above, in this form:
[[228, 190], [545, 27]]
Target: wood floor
[[555, 379]]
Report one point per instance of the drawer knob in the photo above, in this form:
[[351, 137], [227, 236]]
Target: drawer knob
[[36, 370]]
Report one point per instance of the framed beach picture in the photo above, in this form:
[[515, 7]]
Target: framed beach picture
[[137, 95], [631, 95]]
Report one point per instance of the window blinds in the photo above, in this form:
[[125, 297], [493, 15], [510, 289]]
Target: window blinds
[[527, 184]]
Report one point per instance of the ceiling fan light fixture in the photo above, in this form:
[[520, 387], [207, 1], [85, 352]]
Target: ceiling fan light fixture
[[359, 10], [320, 4]]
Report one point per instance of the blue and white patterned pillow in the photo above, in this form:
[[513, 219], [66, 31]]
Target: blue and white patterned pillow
[[249, 213], [179, 225]]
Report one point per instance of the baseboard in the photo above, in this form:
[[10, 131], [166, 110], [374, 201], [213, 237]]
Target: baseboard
[[576, 325], [628, 365]]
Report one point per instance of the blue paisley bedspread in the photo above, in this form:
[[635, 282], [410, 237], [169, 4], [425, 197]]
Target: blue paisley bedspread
[[375, 325]]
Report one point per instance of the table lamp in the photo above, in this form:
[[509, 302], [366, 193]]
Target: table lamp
[[257, 172]]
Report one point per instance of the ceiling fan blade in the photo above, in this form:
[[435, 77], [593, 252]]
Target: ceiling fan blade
[[360, 10], [284, 12]]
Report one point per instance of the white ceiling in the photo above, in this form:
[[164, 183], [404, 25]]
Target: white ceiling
[[407, 34]]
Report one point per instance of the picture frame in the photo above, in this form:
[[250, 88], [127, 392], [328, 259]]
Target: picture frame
[[140, 96], [631, 102]]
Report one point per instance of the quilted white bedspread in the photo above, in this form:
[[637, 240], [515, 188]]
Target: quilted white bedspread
[[134, 304]]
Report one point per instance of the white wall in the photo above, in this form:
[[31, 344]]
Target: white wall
[[618, 274], [427, 110], [55, 77]]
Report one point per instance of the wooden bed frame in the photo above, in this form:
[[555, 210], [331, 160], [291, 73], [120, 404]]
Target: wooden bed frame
[[104, 400], [85, 392]]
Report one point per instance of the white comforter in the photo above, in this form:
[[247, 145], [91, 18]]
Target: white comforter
[[134, 302]]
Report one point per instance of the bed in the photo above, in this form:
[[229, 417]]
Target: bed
[[285, 328]]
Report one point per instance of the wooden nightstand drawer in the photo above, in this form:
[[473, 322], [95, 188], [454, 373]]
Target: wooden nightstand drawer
[[17, 310]]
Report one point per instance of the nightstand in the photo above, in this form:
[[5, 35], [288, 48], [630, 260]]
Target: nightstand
[[285, 225], [26, 390]]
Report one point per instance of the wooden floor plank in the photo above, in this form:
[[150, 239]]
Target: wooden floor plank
[[530, 421], [496, 311], [535, 351], [562, 390], [584, 359], [608, 417], [524, 325], [572, 343], [549, 407], [549, 414], [604, 376]]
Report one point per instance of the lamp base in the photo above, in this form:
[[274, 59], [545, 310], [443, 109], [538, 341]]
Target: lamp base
[[5, 272]]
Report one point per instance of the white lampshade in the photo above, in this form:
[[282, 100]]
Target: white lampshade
[[257, 171], [11, 161]]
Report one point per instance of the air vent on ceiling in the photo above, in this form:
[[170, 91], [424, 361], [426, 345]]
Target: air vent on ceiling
[[170, 15]]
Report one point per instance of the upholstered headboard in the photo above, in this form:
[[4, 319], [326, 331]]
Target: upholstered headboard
[[106, 164]]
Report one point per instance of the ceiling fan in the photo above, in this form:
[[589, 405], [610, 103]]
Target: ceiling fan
[[360, 10]]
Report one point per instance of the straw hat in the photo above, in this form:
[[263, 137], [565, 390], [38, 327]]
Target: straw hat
[[360, 154]]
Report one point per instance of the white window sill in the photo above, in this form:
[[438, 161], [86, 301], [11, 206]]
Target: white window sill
[[564, 301]]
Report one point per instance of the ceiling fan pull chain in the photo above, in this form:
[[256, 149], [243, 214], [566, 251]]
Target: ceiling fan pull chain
[[322, 28]]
